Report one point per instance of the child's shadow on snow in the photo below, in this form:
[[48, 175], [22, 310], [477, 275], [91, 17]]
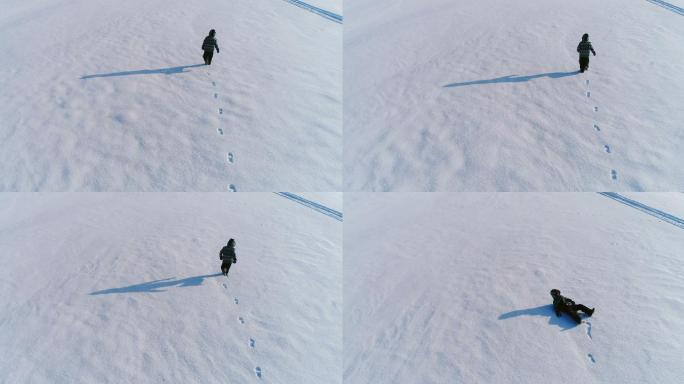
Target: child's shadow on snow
[[564, 322], [157, 285], [514, 79], [164, 71]]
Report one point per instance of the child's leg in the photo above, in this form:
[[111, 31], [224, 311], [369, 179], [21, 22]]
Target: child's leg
[[584, 63], [573, 314], [584, 309]]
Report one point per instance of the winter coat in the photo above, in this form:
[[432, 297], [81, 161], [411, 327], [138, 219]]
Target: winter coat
[[209, 44], [584, 48], [561, 304], [228, 254]]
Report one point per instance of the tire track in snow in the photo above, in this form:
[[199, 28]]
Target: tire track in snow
[[664, 216], [321, 12], [312, 204], [668, 6]]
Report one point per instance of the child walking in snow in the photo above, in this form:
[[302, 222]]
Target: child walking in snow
[[584, 48], [208, 46], [227, 255]]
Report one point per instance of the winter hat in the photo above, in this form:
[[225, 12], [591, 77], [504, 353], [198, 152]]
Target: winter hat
[[555, 292], [212, 32], [585, 37]]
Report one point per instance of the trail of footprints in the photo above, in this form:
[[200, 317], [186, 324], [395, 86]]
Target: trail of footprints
[[589, 355], [230, 157], [606, 147], [252, 341]]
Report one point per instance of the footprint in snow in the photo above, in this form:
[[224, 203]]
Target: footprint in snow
[[236, 300], [215, 95], [613, 174], [588, 94], [595, 109], [213, 83], [220, 131], [225, 286], [252, 343], [589, 329], [257, 371], [242, 321], [606, 148], [591, 357], [220, 111], [587, 82], [230, 157], [596, 127], [232, 188]]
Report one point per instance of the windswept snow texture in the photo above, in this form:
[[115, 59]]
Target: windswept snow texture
[[486, 96], [126, 288], [113, 96], [454, 288]]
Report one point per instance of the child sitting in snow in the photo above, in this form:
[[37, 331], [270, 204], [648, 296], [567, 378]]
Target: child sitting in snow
[[566, 305]]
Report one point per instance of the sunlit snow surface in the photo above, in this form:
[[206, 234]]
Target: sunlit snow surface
[[454, 288], [444, 95], [112, 96], [126, 288]]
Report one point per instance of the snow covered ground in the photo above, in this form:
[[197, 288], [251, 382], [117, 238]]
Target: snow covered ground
[[444, 95], [104, 95], [454, 288], [123, 288]]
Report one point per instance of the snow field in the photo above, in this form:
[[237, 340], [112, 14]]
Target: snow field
[[455, 288], [484, 96], [113, 288], [102, 96]]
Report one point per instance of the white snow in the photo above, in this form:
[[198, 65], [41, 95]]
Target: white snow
[[126, 288], [660, 201], [423, 110], [104, 95], [454, 288]]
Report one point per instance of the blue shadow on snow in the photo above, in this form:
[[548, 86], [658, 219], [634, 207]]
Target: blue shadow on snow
[[514, 79], [564, 321], [158, 285], [164, 71]]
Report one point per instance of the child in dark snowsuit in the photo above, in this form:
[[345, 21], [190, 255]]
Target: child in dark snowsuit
[[227, 255], [584, 48], [208, 47], [566, 305]]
